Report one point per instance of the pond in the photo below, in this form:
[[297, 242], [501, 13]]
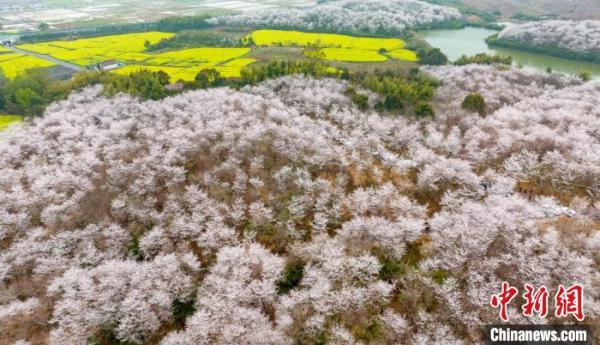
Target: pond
[[471, 40]]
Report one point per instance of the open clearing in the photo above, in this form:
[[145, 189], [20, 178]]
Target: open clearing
[[130, 49]]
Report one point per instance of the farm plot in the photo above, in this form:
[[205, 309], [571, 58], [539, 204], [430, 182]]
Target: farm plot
[[127, 47], [403, 54], [352, 55], [336, 47], [298, 38], [12, 64], [130, 49]]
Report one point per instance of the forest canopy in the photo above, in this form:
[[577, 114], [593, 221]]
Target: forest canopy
[[282, 213]]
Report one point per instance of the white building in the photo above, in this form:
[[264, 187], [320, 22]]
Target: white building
[[108, 65]]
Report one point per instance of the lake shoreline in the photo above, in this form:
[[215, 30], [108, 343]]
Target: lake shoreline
[[472, 40]]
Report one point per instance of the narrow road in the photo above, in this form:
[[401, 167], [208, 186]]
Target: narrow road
[[63, 63]]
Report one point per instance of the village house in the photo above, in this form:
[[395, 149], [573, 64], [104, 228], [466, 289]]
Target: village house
[[108, 65]]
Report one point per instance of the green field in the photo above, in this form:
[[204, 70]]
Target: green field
[[7, 120], [130, 49]]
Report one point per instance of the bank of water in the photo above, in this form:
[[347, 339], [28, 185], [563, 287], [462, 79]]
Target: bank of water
[[470, 41]]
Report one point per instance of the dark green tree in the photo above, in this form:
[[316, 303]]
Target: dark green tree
[[423, 110], [163, 77], [29, 93], [393, 103], [474, 102], [146, 84], [292, 275], [432, 57], [209, 77]]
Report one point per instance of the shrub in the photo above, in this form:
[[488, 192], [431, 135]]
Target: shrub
[[393, 103], [432, 57], [474, 102], [292, 275], [423, 110]]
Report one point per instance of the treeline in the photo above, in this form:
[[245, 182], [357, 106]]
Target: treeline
[[31, 92], [194, 38], [169, 24], [180, 23], [432, 56], [399, 93], [542, 49], [484, 59], [274, 69]]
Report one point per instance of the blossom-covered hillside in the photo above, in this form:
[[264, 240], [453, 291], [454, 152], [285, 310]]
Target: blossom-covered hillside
[[563, 9], [581, 37], [282, 214], [374, 17]]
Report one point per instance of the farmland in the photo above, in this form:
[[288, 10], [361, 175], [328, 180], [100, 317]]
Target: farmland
[[352, 55], [69, 14], [336, 47], [7, 120], [83, 52], [298, 38], [403, 54], [12, 64], [130, 49]]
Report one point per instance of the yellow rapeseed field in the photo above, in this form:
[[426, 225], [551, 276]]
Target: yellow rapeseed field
[[185, 64], [130, 49], [195, 57], [231, 69], [126, 47], [403, 54], [337, 47], [12, 64], [298, 38]]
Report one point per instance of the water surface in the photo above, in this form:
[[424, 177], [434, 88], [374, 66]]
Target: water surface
[[470, 41]]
